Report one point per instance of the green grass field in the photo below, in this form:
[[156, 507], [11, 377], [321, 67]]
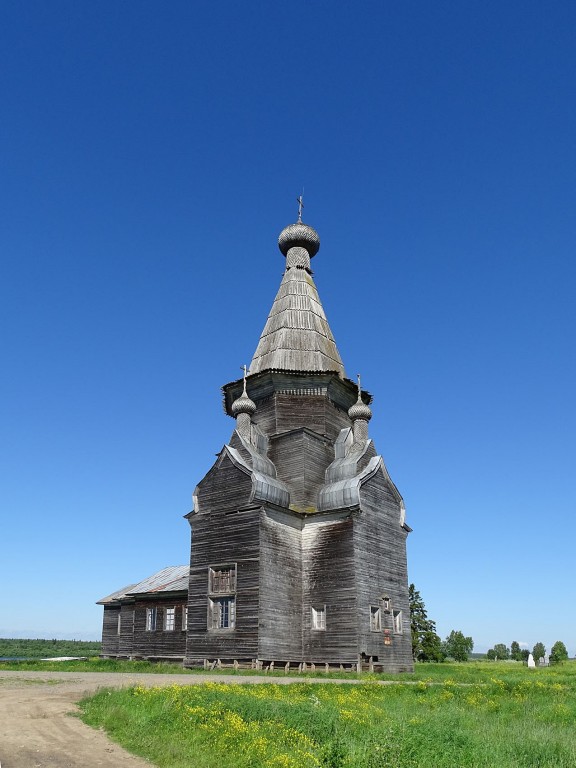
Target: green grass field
[[493, 715]]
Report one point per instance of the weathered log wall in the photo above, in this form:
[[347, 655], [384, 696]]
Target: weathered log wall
[[280, 623], [159, 643], [380, 555], [301, 458], [224, 533], [110, 630], [281, 412], [329, 580]]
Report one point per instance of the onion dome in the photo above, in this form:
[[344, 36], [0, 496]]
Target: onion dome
[[299, 236], [243, 405], [360, 410]]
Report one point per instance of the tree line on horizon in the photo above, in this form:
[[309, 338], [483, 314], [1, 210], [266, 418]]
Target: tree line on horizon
[[427, 645], [40, 648], [501, 652]]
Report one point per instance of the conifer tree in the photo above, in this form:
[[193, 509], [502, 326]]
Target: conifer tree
[[426, 645]]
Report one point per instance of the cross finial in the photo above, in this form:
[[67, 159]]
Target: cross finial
[[300, 202], [359, 387], [245, 369]]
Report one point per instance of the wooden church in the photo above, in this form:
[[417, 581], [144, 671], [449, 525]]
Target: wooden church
[[298, 553]]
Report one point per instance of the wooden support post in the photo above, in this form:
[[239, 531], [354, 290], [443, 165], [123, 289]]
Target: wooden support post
[[236, 665], [287, 668], [313, 667], [326, 667]]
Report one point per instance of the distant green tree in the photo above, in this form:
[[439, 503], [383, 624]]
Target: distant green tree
[[539, 651], [558, 652], [431, 648], [525, 653], [501, 651], [491, 654], [426, 645], [515, 651], [457, 646]]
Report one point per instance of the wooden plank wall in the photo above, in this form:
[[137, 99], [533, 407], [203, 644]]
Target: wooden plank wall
[[223, 489], [110, 630], [328, 579], [280, 587], [281, 413], [126, 639], [381, 569], [301, 458], [224, 533], [159, 643]]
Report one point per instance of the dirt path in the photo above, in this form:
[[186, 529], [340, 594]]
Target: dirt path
[[36, 730]]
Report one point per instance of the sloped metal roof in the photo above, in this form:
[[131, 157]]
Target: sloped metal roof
[[115, 595], [171, 579]]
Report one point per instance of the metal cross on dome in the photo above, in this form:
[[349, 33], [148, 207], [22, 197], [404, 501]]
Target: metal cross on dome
[[300, 202]]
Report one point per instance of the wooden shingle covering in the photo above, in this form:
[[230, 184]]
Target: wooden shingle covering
[[297, 336]]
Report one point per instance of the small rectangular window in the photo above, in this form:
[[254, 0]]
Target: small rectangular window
[[222, 579], [397, 617], [222, 613], [169, 619], [119, 627], [375, 618], [150, 619], [184, 618], [319, 618]]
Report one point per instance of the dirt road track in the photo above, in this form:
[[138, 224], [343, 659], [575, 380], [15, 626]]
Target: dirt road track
[[36, 730]]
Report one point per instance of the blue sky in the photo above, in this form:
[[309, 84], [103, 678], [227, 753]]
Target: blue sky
[[151, 152]]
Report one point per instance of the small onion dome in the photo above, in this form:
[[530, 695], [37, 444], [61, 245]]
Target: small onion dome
[[299, 236], [243, 405], [360, 410]]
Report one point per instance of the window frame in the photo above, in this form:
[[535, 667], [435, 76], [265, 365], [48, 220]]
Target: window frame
[[184, 619], [318, 618], [151, 619], [169, 619], [220, 620], [215, 576], [397, 622], [221, 607], [375, 618]]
